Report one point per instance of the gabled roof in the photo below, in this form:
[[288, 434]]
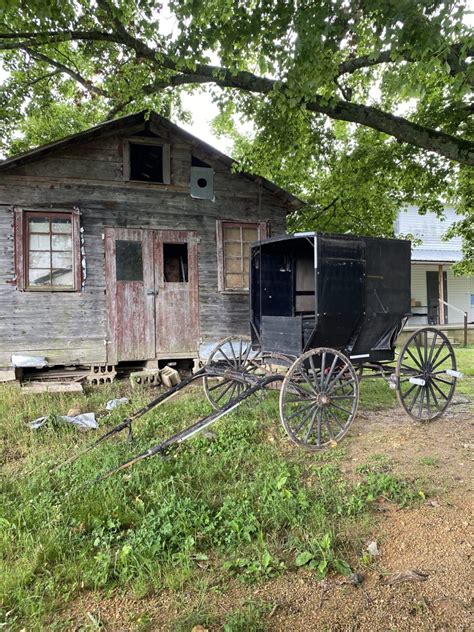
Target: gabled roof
[[129, 121]]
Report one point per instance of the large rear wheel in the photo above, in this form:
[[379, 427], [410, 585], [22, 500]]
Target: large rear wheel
[[426, 374]]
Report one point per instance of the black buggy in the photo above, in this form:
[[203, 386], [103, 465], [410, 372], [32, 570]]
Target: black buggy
[[325, 312]]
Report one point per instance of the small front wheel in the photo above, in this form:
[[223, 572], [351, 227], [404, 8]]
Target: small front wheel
[[319, 398], [233, 354]]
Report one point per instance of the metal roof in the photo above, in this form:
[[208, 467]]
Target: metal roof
[[420, 255], [133, 119]]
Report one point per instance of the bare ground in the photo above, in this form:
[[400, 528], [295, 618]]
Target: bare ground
[[435, 539]]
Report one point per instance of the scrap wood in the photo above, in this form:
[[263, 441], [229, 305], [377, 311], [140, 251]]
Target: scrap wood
[[411, 575]]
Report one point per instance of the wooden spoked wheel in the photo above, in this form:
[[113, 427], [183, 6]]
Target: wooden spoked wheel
[[319, 398], [233, 353], [426, 374]]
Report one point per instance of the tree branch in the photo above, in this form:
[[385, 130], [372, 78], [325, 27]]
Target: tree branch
[[90, 87], [451, 147]]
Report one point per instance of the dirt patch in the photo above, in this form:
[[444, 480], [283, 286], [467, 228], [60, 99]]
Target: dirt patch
[[435, 539]]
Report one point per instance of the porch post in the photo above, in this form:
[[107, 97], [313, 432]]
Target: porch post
[[441, 293]]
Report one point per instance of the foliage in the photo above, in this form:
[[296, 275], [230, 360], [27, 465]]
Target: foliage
[[358, 106], [238, 506]]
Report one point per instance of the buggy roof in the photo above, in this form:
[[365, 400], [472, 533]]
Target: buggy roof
[[312, 234]]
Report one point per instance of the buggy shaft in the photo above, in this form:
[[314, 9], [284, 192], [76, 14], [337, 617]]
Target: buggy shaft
[[198, 426]]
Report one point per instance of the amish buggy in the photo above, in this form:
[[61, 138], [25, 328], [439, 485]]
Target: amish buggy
[[325, 313]]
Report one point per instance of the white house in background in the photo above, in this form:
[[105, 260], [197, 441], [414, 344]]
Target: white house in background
[[432, 277]]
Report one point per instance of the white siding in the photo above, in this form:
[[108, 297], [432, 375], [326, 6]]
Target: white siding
[[459, 292], [430, 229]]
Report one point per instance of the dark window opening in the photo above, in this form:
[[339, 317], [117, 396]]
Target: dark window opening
[[196, 162], [175, 263], [146, 162], [128, 260]]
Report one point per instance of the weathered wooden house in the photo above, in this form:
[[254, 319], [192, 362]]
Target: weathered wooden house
[[127, 242]]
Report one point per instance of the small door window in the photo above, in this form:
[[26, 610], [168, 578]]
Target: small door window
[[175, 263], [128, 260]]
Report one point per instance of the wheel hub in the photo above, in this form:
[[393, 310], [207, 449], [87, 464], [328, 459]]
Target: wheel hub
[[322, 399]]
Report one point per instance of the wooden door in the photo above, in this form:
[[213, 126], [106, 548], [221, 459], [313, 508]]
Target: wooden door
[[177, 297], [130, 287]]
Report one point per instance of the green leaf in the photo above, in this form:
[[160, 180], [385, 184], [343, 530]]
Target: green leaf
[[303, 558]]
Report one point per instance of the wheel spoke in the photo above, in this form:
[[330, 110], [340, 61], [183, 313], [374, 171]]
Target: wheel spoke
[[446, 397], [420, 405], [435, 366], [433, 345], [334, 416], [229, 362], [440, 379], [220, 385], [303, 375], [328, 426], [300, 411], [342, 396], [407, 392], [428, 401], [415, 398], [344, 410], [336, 379], [418, 349], [311, 425], [435, 400], [299, 427], [228, 387], [323, 366], [331, 370], [418, 365]]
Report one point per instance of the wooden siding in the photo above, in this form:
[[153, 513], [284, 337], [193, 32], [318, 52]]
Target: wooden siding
[[70, 328]]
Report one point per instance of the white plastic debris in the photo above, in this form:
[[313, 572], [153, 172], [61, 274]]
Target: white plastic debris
[[113, 403], [86, 421], [27, 361], [373, 549]]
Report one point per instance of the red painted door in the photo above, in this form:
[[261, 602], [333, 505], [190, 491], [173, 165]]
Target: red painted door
[[152, 294], [177, 298], [130, 287]]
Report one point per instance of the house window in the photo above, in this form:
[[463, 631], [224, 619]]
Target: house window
[[47, 249], [233, 244], [146, 160]]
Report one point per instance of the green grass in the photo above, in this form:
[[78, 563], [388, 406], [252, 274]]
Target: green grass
[[246, 505]]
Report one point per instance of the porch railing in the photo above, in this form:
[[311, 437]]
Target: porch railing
[[460, 311]]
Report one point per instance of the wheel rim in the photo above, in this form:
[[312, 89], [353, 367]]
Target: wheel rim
[[319, 398], [426, 356], [235, 353]]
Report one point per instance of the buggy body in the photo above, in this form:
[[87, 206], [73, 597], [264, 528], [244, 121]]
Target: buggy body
[[340, 291]]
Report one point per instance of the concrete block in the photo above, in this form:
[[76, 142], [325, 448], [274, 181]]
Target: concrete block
[[146, 377], [170, 377]]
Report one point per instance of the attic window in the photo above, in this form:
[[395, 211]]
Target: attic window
[[147, 160]]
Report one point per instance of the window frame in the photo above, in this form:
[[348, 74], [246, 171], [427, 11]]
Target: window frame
[[145, 140], [263, 231], [21, 248]]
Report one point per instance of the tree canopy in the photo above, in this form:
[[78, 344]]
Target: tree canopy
[[358, 106]]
